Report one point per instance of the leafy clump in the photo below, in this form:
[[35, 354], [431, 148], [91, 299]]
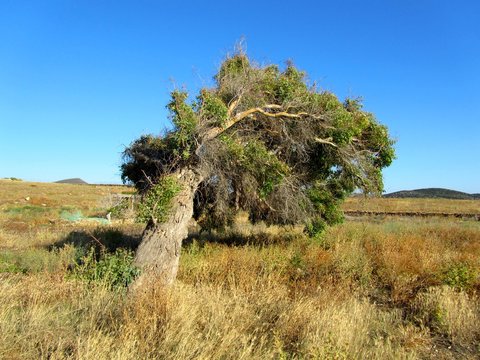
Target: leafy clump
[[327, 209], [184, 119], [115, 270], [460, 276], [255, 159], [213, 108], [157, 202]]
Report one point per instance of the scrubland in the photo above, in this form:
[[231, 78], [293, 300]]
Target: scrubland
[[388, 288]]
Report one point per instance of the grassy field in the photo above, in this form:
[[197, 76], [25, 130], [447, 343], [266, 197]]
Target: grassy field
[[390, 289]]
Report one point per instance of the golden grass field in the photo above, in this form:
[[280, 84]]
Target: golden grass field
[[389, 288]]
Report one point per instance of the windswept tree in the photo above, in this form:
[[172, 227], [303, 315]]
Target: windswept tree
[[262, 140]]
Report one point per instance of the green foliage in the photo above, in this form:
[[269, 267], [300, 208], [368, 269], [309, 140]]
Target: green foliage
[[266, 167], [157, 202], [254, 158], [378, 139], [9, 267], [290, 84], [184, 119], [315, 227], [327, 208], [114, 270], [460, 276], [213, 108], [232, 66]]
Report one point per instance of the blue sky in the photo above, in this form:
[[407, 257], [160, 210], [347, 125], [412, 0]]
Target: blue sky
[[79, 80]]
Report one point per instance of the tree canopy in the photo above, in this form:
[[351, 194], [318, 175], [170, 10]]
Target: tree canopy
[[265, 141]]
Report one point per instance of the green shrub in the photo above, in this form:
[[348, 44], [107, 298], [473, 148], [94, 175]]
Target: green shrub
[[460, 276], [115, 270]]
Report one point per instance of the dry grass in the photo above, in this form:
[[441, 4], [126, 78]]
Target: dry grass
[[393, 289], [456, 315]]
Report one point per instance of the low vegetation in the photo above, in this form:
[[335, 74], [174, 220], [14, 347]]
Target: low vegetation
[[368, 288]]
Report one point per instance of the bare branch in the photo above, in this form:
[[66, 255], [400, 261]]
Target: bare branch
[[214, 132], [327, 141], [148, 178], [249, 112], [102, 246]]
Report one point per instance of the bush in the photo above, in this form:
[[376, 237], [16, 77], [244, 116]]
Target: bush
[[460, 276], [115, 270]]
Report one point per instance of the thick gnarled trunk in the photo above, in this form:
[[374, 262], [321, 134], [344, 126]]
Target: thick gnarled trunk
[[159, 252]]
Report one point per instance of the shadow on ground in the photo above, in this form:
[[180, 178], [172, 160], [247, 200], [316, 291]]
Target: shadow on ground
[[107, 239], [232, 238]]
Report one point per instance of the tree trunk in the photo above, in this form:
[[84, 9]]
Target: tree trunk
[[159, 252]]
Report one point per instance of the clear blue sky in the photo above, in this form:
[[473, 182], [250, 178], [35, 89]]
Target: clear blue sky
[[79, 80]]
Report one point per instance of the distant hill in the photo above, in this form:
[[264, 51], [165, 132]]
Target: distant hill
[[433, 193], [76, 181]]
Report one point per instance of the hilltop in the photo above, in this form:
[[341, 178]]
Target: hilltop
[[75, 181], [433, 193]]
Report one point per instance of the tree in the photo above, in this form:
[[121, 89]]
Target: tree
[[262, 140]]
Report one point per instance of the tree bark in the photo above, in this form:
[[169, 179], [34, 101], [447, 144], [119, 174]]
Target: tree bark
[[159, 252]]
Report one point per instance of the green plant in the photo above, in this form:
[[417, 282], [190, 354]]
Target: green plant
[[6, 267], [157, 202], [115, 270], [460, 276]]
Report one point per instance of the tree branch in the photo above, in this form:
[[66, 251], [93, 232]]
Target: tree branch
[[249, 112], [213, 133], [327, 141]]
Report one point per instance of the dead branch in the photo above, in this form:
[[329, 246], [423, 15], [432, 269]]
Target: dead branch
[[327, 141]]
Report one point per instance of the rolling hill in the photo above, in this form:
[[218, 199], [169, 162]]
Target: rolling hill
[[74, 181], [433, 193]]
